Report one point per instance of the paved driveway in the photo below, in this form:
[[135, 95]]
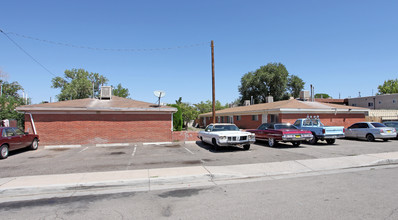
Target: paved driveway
[[139, 156]]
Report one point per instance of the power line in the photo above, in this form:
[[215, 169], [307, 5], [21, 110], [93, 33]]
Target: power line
[[108, 49], [23, 50]]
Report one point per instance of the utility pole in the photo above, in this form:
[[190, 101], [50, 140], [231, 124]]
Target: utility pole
[[213, 83]]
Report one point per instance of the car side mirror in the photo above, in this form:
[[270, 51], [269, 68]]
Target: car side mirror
[[26, 132]]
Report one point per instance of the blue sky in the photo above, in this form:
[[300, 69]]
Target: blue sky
[[341, 47]]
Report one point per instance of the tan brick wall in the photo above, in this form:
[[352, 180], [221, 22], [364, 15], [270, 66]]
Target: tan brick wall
[[62, 129]]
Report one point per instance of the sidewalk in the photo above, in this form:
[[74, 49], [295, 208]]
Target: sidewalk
[[65, 185]]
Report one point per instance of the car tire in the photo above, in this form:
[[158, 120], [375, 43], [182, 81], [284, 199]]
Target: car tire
[[246, 147], [271, 142], [215, 145], [34, 145], [330, 141], [4, 151], [201, 139], [314, 140], [370, 138], [296, 144]]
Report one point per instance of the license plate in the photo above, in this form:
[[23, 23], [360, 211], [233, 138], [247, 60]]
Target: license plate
[[388, 131], [298, 136]]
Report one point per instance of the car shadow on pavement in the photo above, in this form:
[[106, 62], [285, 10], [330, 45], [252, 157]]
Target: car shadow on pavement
[[18, 151], [278, 145], [210, 148], [364, 140]]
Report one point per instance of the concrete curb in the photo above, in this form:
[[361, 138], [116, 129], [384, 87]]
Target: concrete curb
[[49, 147], [47, 186]]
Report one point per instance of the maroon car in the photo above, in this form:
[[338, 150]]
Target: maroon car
[[14, 138], [274, 133]]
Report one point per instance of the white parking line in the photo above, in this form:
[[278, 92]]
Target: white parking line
[[83, 149], [135, 148], [188, 150]]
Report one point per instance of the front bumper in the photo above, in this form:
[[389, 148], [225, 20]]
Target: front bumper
[[239, 140]]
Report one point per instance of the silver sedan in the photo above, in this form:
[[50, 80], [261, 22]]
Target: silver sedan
[[370, 131]]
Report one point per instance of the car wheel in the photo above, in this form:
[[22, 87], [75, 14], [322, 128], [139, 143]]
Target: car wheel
[[3, 151], [296, 144], [246, 147], [201, 139], [314, 140], [331, 141], [370, 137], [215, 145], [35, 144], [271, 142]]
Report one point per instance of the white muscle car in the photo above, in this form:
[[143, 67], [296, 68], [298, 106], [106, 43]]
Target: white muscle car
[[226, 135]]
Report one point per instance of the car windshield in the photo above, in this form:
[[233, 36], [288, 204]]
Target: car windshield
[[225, 128], [378, 125], [284, 126]]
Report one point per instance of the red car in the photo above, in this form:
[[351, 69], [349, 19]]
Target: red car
[[273, 133], [14, 138]]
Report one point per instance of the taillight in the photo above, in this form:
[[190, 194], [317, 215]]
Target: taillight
[[381, 131], [343, 130], [323, 131]]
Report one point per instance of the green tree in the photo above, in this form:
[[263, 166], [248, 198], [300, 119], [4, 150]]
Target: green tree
[[390, 86], [188, 111], [78, 84], [120, 91], [295, 85], [205, 107], [322, 96], [177, 118], [270, 79], [10, 89], [9, 100]]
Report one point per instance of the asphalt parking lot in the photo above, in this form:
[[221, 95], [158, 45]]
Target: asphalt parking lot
[[139, 156]]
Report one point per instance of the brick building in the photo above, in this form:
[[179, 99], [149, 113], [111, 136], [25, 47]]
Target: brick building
[[287, 111], [94, 121]]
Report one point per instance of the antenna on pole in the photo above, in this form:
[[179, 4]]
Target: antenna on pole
[[159, 94]]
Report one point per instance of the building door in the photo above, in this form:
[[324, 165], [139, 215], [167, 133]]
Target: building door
[[273, 118], [264, 118]]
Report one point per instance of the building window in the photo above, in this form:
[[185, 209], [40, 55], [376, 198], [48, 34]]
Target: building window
[[370, 104], [254, 117], [354, 105], [222, 119], [379, 102], [273, 118], [238, 117]]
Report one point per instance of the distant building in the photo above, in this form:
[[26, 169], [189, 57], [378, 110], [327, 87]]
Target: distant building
[[286, 111], [388, 101], [333, 101]]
